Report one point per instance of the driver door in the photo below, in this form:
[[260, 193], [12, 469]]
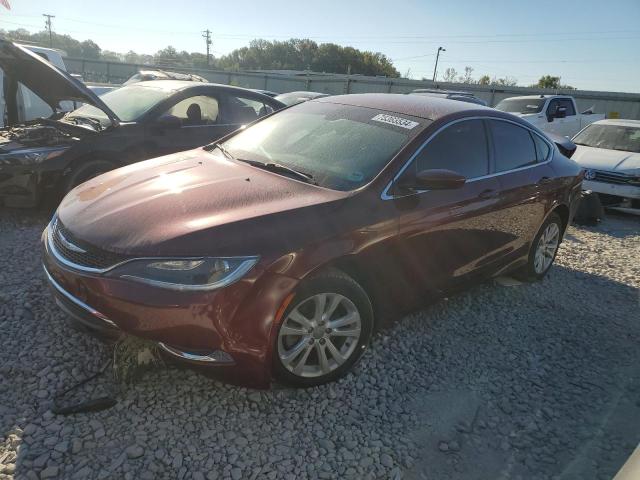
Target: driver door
[[189, 123], [446, 235]]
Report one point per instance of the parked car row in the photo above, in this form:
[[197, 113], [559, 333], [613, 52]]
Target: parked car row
[[47, 157], [275, 250]]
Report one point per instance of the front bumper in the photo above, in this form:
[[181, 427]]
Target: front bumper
[[625, 191], [203, 329]]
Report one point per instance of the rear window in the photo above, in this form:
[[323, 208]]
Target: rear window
[[521, 105]]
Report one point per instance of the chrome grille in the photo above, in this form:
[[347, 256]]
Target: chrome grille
[[78, 253], [612, 177]]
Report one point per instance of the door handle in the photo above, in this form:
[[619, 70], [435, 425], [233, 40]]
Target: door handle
[[544, 181], [488, 193]]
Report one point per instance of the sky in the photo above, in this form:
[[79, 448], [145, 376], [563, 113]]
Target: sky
[[591, 44]]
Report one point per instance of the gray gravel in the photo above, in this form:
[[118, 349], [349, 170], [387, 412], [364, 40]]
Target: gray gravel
[[529, 381]]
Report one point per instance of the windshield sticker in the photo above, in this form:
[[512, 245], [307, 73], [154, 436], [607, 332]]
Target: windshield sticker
[[397, 121]]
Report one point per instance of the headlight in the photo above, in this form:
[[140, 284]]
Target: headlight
[[29, 156], [186, 274]]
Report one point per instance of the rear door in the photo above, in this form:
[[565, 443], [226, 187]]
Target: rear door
[[521, 165], [445, 235]]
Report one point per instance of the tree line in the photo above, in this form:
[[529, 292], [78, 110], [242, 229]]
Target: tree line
[[293, 54], [546, 81]]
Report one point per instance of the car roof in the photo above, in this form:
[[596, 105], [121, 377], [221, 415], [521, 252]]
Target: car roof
[[531, 97], [423, 106], [623, 122], [176, 85], [440, 91]]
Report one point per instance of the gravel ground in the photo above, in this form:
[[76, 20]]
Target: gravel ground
[[525, 381]]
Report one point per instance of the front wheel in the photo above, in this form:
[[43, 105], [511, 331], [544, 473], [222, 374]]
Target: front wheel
[[543, 249], [87, 171], [324, 332]]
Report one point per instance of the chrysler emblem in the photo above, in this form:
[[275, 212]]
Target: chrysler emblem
[[589, 174], [68, 244]]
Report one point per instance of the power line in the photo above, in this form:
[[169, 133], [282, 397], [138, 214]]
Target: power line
[[48, 26]]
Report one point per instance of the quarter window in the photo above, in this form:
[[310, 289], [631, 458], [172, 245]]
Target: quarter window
[[513, 146], [246, 110], [542, 148], [461, 147]]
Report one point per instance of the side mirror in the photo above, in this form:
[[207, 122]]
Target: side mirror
[[436, 179], [169, 122], [561, 112]]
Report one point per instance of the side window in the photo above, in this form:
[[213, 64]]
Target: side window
[[199, 110], [513, 146], [542, 148], [461, 147], [245, 110], [568, 104], [553, 106]]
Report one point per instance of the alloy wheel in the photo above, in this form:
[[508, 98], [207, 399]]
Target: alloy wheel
[[319, 334], [547, 247]]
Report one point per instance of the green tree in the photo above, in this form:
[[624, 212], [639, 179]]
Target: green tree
[[549, 81], [303, 54], [484, 80], [90, 50]]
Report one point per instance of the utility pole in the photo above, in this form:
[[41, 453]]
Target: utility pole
[[207, 36], [48, 25], [435, 69]]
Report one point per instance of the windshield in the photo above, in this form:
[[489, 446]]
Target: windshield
[[521, 105], [341, 147], [128, 103], [610, 137]]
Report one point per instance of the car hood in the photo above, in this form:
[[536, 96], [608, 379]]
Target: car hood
[[46, 80], [610, 160], [191, 203]]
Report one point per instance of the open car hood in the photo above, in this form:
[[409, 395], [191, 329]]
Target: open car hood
[[47, 81]]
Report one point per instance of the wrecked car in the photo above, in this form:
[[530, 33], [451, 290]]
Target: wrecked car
[[48, 156]]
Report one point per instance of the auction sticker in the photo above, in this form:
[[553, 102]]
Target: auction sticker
[[397, 121]]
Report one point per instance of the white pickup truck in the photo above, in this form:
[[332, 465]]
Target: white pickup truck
[[551, 113]]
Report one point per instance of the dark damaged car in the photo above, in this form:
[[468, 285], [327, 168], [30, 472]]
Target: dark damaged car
[[44, 158]]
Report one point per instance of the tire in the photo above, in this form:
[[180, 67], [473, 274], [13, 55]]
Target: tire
[[87, 171], [533, 271], [303, 335]]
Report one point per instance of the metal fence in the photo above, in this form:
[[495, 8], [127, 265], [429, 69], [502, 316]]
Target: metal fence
[[614, 104]]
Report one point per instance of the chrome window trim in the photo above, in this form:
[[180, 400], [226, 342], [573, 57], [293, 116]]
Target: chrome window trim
[[385, 193], [75, 300]]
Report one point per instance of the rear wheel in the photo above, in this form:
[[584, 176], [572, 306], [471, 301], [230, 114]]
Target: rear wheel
[[324, 332], [543, 249]]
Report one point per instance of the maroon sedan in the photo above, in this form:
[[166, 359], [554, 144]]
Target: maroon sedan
[[278, 250]]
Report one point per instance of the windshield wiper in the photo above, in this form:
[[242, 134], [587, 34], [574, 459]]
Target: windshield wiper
[[224, 150], [277, 167]]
